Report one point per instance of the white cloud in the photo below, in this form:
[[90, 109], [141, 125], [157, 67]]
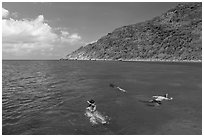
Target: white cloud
[[64, 33], [24, 36], [5, 13], [69, 38], [23, 48], [17, 31], [75, 36]]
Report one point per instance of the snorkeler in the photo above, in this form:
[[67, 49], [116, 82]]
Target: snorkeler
[[94, 116], [91, 107], [114, 86], [159, 99]]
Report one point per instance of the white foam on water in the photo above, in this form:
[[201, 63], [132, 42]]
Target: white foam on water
[[96, 117]]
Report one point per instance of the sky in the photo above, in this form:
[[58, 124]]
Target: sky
[[46, 30]]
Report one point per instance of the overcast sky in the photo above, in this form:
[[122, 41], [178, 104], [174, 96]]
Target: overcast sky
[[52, 30]]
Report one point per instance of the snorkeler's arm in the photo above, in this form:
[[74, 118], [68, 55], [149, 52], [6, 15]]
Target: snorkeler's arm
[[94, 108], [88, 108], [88, 102], [155, 96], [121, 89]]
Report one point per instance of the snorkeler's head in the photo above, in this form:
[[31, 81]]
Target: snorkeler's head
[[166, 95]]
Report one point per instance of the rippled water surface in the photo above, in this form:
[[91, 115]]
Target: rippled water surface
[[49, 97]]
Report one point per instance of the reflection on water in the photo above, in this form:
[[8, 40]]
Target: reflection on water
[[49, 97]]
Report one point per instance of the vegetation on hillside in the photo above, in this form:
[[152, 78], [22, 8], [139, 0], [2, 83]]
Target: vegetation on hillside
[[175, 35]]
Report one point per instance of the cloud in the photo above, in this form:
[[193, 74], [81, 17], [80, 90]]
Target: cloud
[[64, 33], [25, 31], [5, 13], [69, 38], [22, 48], [75, 36], [27, 35]]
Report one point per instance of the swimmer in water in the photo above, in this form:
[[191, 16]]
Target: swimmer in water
[[114, 86], [91, 107], [159, 99], [94, 115]]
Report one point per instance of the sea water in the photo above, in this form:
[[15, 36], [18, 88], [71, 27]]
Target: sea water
[[49, 97]]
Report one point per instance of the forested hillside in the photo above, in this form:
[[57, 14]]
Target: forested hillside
[[175, 35]]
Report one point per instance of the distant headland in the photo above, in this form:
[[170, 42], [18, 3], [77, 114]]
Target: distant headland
[[174, 36]]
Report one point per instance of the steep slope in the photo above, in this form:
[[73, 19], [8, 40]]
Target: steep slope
[[175, 35]]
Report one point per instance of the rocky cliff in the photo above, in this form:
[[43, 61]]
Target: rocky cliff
[[175, 35]]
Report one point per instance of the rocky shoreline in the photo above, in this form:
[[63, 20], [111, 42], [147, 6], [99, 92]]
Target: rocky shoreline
[[137, 60]]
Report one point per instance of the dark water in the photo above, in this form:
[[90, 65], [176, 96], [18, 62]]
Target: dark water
[[49, 97]]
